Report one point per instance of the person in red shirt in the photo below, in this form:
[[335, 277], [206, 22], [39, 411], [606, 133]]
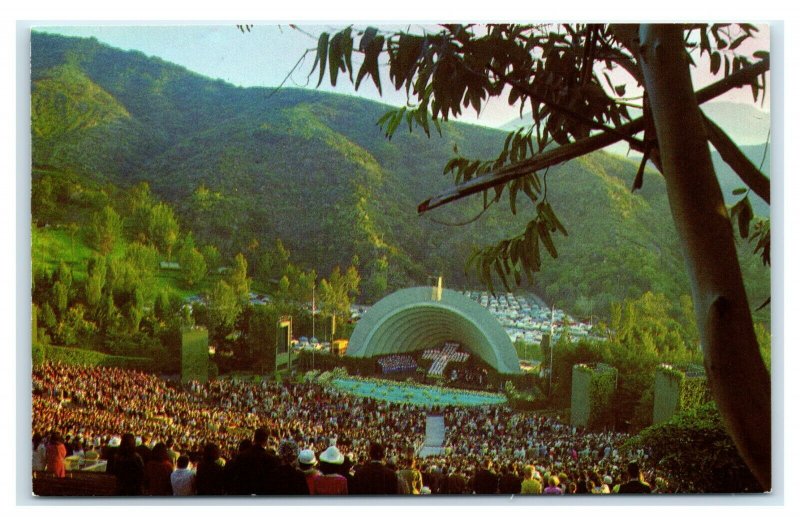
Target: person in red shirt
[[55, 454], [329, 482]]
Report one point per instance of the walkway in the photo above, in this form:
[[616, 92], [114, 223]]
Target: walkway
[[434, 436]]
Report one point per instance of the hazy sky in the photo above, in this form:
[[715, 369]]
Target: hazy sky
[[266, 55]]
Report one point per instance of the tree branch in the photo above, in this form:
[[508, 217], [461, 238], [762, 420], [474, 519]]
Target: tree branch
[[731, 154], [635, 143], [582, 146]]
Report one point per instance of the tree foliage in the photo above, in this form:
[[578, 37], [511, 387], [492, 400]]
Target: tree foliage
[[162, 228], [238, 279], [647, 324], [696, 442], [337, 292], [105, 229], [193, 265], [224, 306]]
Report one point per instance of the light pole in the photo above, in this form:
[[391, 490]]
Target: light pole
[[313, 309], [552, 321]]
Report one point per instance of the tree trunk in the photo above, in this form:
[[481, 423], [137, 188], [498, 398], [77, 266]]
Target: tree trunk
[[737, 375]]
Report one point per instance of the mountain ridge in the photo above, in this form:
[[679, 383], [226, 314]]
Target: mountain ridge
[[314, 170]]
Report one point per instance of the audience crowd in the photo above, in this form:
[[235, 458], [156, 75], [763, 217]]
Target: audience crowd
[[229, 437], [397, 363]]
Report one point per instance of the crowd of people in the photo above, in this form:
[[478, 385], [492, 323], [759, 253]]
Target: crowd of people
[[397, 363], [241, 438], [471, 375], [495, 446], [441, 357]]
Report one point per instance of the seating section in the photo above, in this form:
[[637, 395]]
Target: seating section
[[397, 363]]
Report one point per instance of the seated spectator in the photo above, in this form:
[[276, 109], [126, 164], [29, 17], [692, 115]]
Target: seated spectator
[[307, 462], [157, 472], [457, 484], [128, 467], [91, 454], [635, 483], [55, 453], [409, 477], [39, 460], [531, 484], [256, 465], [171, 453], [553, 486], [329, 482], [509, 483], [289, 480], [210, 472], [374, 477], [486, 480], [233, 469], [183, 478]]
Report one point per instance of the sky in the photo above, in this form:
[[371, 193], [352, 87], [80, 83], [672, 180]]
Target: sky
[[266, 55]]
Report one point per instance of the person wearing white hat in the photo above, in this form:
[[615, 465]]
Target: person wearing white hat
[[290, 480], [307, 462], [329, 482]]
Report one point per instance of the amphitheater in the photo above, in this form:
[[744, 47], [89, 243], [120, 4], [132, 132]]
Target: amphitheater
[[417, 318]]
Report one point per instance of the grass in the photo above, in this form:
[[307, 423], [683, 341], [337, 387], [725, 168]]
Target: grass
[[53, 244], [170, 281], [528, 351]]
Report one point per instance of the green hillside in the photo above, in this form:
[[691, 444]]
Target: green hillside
[[244, 167]]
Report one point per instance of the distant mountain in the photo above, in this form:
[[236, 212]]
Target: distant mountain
[[744, 123], [729, 181], [245, 166]]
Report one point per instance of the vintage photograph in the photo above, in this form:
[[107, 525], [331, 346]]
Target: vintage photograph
[[412, 261]]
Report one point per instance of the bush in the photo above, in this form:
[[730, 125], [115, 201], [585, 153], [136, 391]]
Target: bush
[[85, 357], [694, 449]]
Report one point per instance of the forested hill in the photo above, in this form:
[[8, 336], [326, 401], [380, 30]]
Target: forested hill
[[242, 167]]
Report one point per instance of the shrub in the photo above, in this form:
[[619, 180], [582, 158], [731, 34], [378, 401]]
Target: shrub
[[694, 448]]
